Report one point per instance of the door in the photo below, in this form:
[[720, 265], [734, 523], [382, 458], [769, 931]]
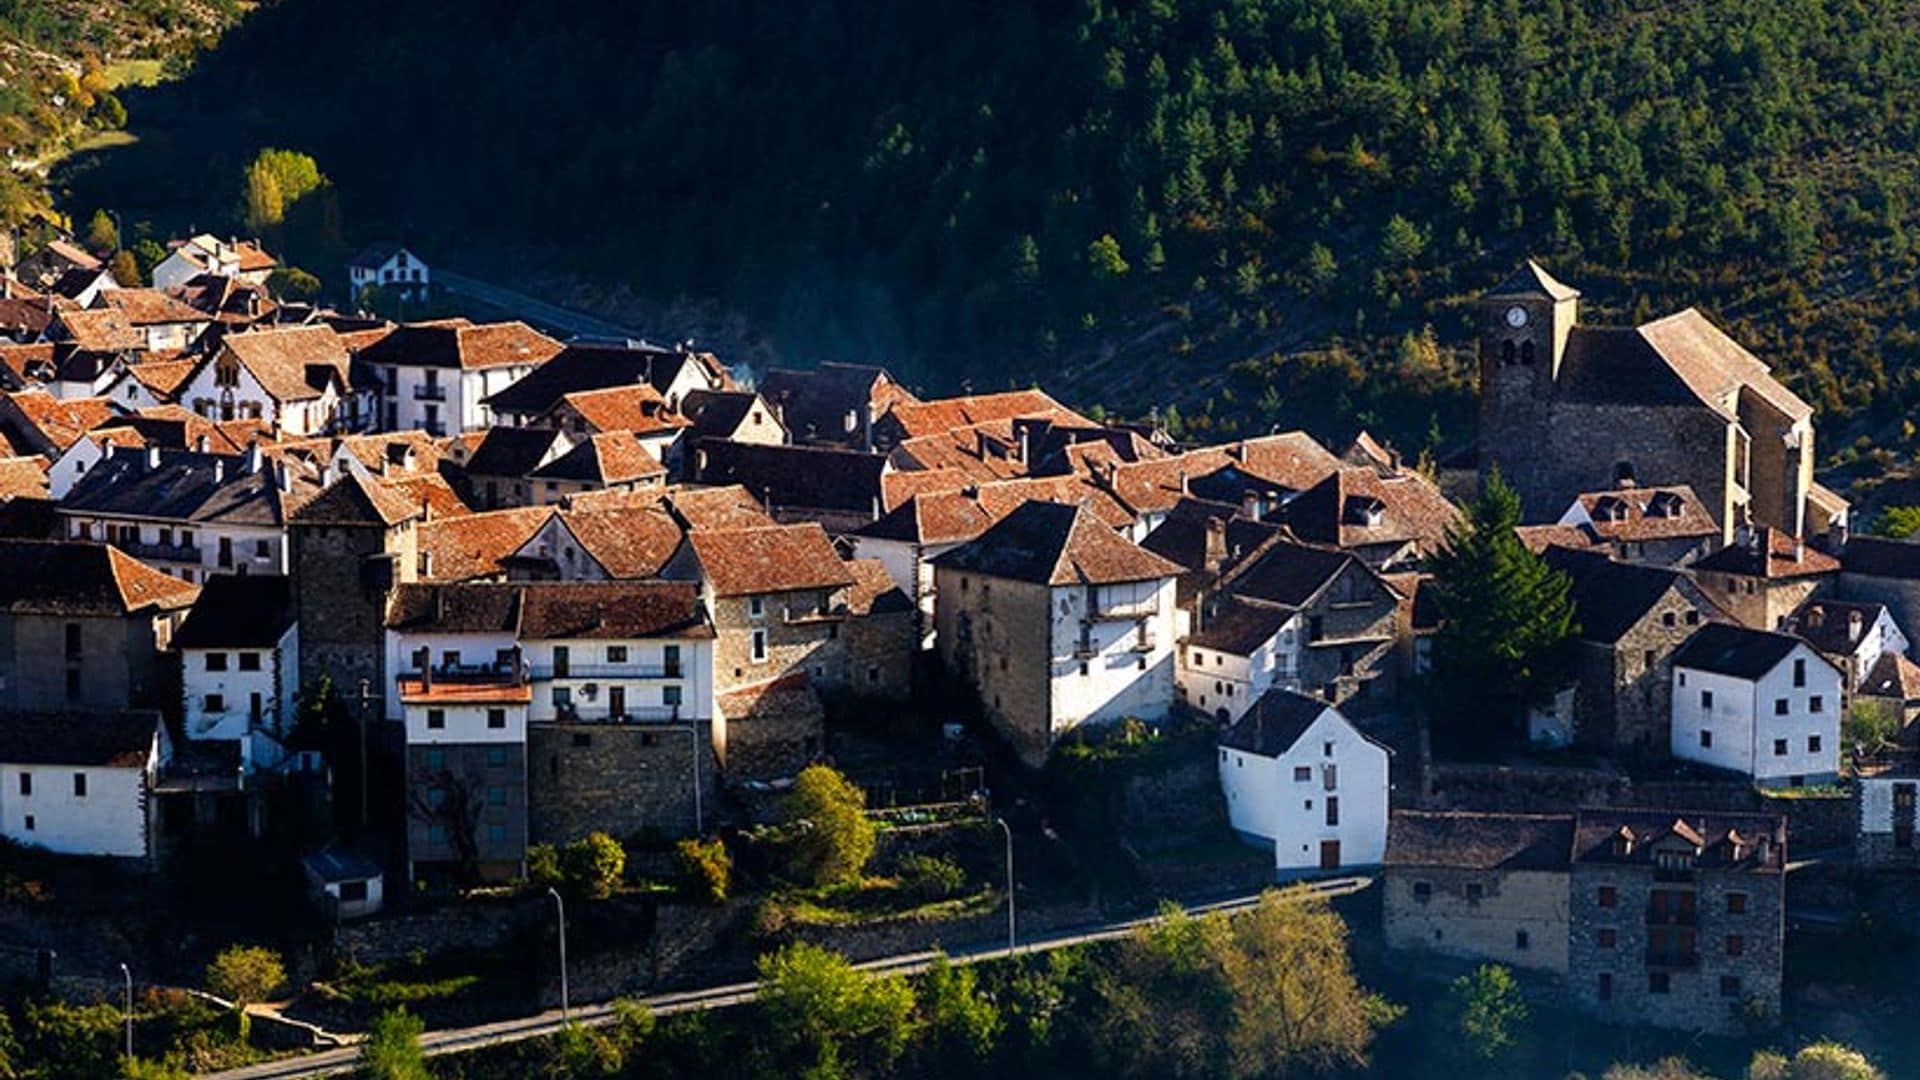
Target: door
[[1329, 854], [226, 551], [616, 701], [562, 662]]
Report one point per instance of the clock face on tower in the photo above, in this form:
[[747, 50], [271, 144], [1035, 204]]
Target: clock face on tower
[[1516, 316]]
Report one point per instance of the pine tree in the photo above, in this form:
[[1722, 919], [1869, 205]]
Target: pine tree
[[1506, 618]]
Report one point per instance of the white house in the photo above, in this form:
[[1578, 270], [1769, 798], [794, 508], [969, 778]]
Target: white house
[[1852, 635], [1057, 621], [1239, 652], [347, 884], [81, 783], [294, 378], [1764, 705], [1302, 780], [390, 266], [208, 254], [437, 376], [240, 666]]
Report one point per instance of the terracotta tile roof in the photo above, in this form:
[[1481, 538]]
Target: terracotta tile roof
[[1834, 626], [983, 452], [1292, 459], [638, 408], [613, 609], [1239, 627], [26, 362], [720, 413], [1286, 572], [1356, 506], [185, 486], [815, 404], [162, 378], [102, 330], [727, 507], [1719, 841], [932, 518], [794, 477], [70, 578], [1469, 840], [1892, 676], [69, 252], [1650, 513], [436, 497], [515, 451], [457, 343], [589, 366], [391, 451], [615, 457], [1784, 557], [23, 477], [24, 316], [202, 250], [1680, 360], [633, 542], [1208, 540], [478, 545], [1056, 544], [176, 426], [148, 307], [61, 420], [873, 589], [900, 485], [463, 692], [910, 420], [285, 360], [783, 558], [1538, 538], [109, 740], [1001, 499], [357, 500]]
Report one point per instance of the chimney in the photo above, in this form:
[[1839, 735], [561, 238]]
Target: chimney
[[219, 471], [1855, 622], [1216, 549], [1186, 483], [1799, 549], [153, 456], [253, 458], [200, 444]]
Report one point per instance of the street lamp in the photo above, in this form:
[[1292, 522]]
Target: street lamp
[[366, 702], [560, 909], [128, 977], [1002, 822]]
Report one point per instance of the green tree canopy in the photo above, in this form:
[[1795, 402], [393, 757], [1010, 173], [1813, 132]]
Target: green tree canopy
[[245, 974], [1505, 621], [392, 1049], [103, 236], [824, 1009], [1485, 1012], [830, 836]]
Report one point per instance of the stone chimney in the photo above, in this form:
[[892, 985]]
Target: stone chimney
[[253, 458], [1216, 549], [1855, 625], [153, 456]]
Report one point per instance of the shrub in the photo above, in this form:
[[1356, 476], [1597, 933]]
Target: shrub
[[593, 865], [831, 837], [706, 870], [931, 877], [245, 974], [392, 1050], [543, 865]]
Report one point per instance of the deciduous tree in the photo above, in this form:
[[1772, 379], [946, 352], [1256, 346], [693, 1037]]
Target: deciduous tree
[[831, 838], [822, 1007]]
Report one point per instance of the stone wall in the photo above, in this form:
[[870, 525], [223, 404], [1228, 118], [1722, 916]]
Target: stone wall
[[342, 620], [481, 806], [625, 779], [1354, 654], [1518, 918], [797, 642], [469, 926], [996, 635], [880, 649]]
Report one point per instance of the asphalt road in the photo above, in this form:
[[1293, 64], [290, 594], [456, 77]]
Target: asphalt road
[[536, 311], [452, 1040]]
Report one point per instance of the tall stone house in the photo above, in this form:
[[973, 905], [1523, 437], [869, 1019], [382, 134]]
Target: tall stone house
[[1057, 621], [351, 546], [1631, 620], [1567, 408], [83, 626], [1765, 575]]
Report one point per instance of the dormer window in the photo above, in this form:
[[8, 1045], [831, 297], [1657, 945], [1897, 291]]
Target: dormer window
[[1365, 511], [1674, 860]]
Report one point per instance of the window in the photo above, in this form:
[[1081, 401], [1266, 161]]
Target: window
[[1658, 982], [436, 719], [29, 822], [1730, 986], [1422, 891], [436, 834], [563, 697], [1606, 987], [1608, 937], [1333, 810], [216, 703], [760, 649], [450, 658], [1474, 892], [1736, 945], [435, 759], [757, 605], [1706, 699], [1667, 618], [1780, 706], [436, 798], [496, 796], [496, 719], [496, 834], [1815, 704], [1706, 740], [79, 785], [1799, 673], [1813, 744], [1779, 748], [73, 684], [1302, 774], [673, 660], [1646, 659], [249, 661], [1521, 941], [353, 891], [1736, 903], [1607, 896], [216, 661], [26, 783], [616, 654], [670, 696], [496, 756]]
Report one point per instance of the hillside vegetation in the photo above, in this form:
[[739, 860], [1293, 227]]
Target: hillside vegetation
[[1253, 209]]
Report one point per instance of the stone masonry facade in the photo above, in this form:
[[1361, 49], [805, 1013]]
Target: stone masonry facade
[[996, 633], [1513, 917], [628, 780]]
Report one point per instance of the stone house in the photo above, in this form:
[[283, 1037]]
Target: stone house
[[580, 366], [351, 546], [1662, 526], [1762, 705], [1765, 575], [436, 376], [83, 626], [882, 634], [908, 538], [613, 461], [638, 410], [839, 489], [1887, 783], [1631, 620], [1678, 918], [295, 379], [498, 469], [1057, 621], [833, 404], [1303, 782], [1567, 408], [740, 416], [1390, 516], [1479, 886]]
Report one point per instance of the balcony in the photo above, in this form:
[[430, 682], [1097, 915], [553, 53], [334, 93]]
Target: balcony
[[547, 672], [1123, 610], [429, 392], [1084, 650], [466, 674], [165, 552], [1670, 916], [576, 713], [1144, 642]]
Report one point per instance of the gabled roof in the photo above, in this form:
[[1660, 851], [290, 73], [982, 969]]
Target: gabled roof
[[908, 420], [247, 611], [1610, 598], [1680, 360], [1532, 279], [942, 518], [23, 478], [456, 344], [610, 609], [1873, 556], [815, 404], [1472, 840], [1639, 514], [874, 591], [104, 740], [184, 486], [1834, 626], [610, 457], [719, 413], [56, 422], [1735, 651], [513, 451], [478, 545], [374, 256], [1769, 553], [1238, 627], [357, 500], [1056, 544], [149, 307], [1276, 721], [637, 408], [1289, 573], [203, 251], [46, 577], [290, 363], [779, 558], [1357, 507], [588, 366], [727, 507], [794, 476], [1722, 841], [1191, 530], [630, 542], [99, 330], [1892, 676]]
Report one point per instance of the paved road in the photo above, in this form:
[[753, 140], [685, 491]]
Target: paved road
[[452, 1040], [536, 311]]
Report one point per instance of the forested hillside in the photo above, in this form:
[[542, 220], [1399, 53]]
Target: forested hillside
[[1252, 208]]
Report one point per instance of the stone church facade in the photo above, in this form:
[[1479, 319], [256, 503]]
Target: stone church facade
[[1567, 409]]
